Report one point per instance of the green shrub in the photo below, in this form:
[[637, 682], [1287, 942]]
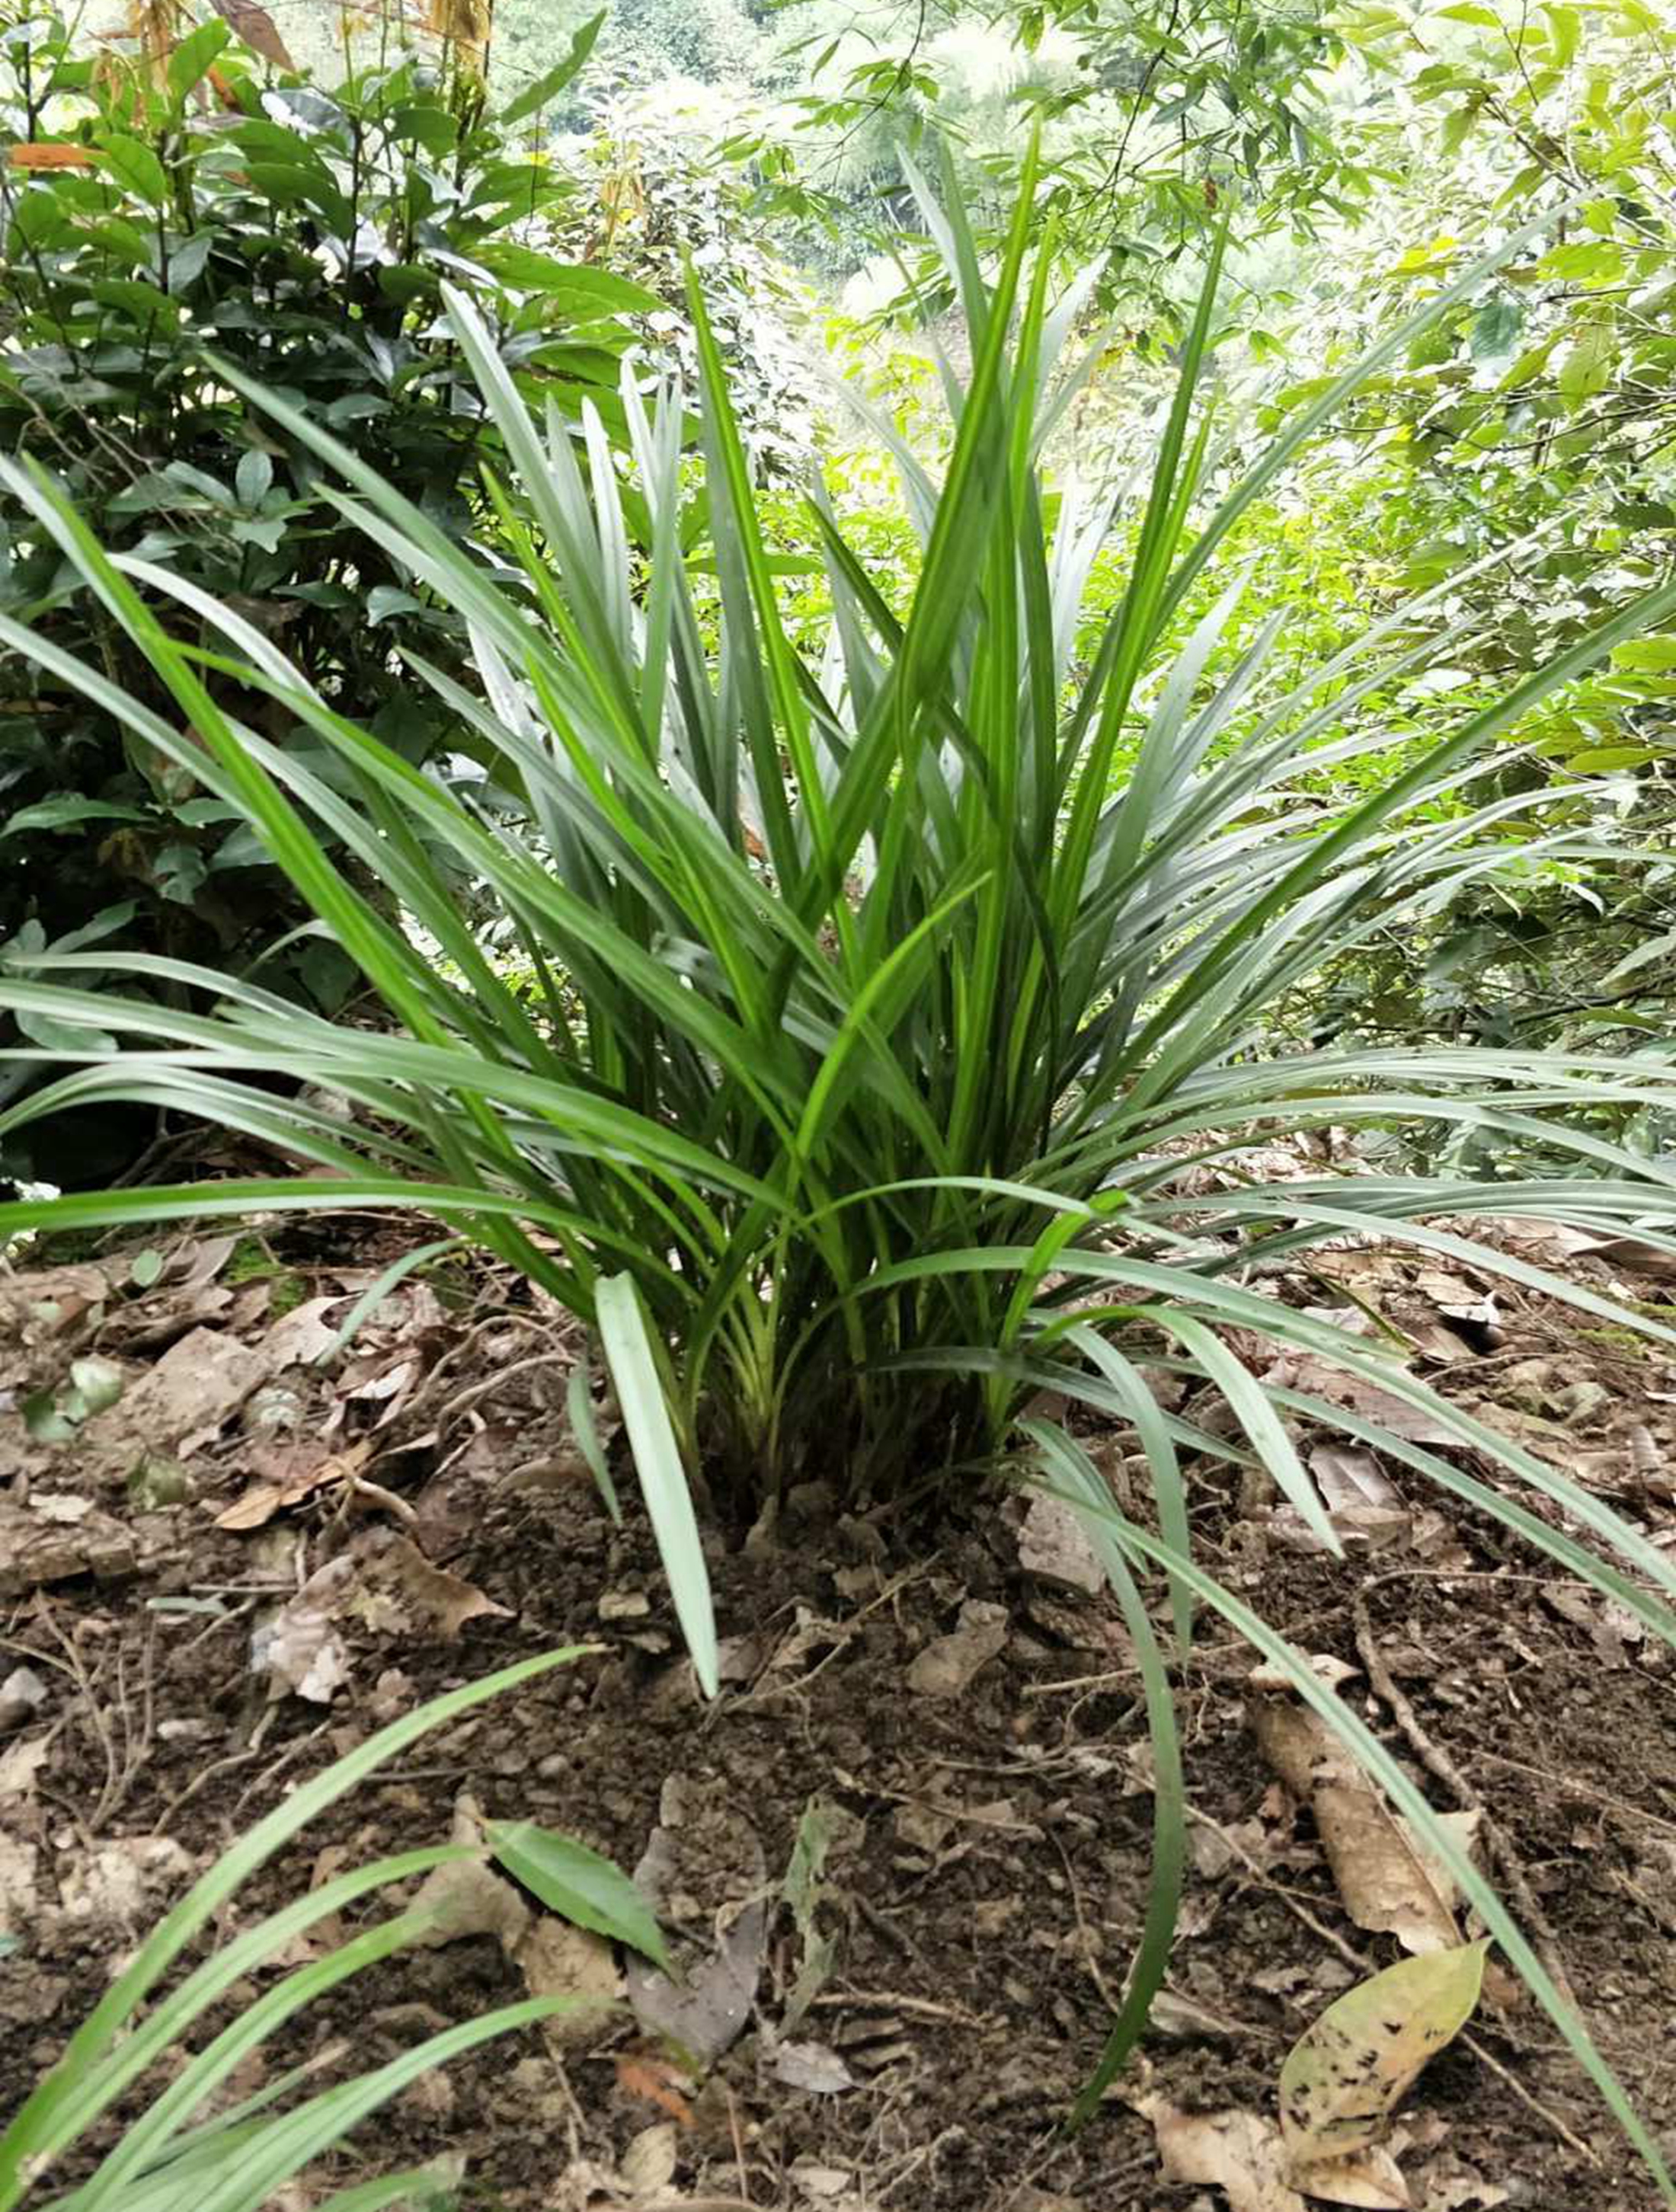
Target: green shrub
[[876, 1021], [305, 235]]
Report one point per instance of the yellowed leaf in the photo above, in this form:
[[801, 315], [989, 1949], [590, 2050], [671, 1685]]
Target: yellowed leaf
[[258, 1504], [49, 153], [1389, 1882], [1371, 2178], [1345, 2076], [1240, 2152]]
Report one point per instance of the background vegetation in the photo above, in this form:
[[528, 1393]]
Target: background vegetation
[[788, 749]]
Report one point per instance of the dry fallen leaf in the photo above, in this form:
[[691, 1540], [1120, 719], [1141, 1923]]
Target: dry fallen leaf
[[647, 2165], [1345, 2077], [430, 1596], [298, 1646], [1389, 1883], [1239, 2153], [705, 1843], [18, 1864], [464, 1898], [20, 1763], [313, 1471], [34, 1548], [1347, 1478], [815, 2067], [643, 2073], [948, 1664], [1053, 1548], [1319, 1378], [1371, 2178], [256, 27]]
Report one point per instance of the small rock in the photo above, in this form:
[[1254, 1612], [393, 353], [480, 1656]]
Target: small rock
[[818, 2183], [559, 1960], [272, 1409], [469, 1899], [22, 1694], [113, 1885], [1054, 1547], [647, 2165], [623, 1605]]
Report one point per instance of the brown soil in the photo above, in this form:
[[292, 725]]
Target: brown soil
[[986, 1874]]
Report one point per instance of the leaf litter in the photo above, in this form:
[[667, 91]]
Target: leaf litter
[[959, 1987]]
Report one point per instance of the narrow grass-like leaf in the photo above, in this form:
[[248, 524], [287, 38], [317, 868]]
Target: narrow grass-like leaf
[[658, 1463]]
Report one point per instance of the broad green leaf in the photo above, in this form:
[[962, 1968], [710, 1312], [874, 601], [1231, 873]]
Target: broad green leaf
[[575, 286], [64, 813], [1564, 31], [1497, 326], [1345, 2077], [193, 55], [552, 82], [137, 168], [1586, 366], [578, 1885]]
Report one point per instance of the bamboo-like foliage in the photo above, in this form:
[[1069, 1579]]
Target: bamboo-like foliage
[[877, 1006]]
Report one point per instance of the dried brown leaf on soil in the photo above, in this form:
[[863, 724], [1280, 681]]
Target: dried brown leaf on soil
[[648, 2161], [1319, 1378], [428, 1597], [1371, 2179], [654, 2081], [1347, 1478], [384, 1581], [38, 1307], [310, 1469], [950, 1664], [1053, 1548], [1238, 2152], [19, 1863], [814, 2067], [705, 1851], [299, 1646], [464, 1898], [709, 2011], [20, 1763], [200, 1382], [1343, 2079], [1388, 1883]]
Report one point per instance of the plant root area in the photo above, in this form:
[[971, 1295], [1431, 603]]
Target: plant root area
[[902, 1858]]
